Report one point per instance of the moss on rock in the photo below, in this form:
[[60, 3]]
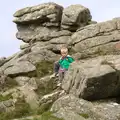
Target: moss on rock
[[21, 109], [85, 115], [4, 98], [8, 84], [48, 116], [44, 68]]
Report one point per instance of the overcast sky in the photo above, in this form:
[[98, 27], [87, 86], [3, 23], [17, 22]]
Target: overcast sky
[[101, 10]]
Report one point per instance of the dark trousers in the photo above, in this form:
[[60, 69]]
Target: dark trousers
[[56, 67], [56, 70]]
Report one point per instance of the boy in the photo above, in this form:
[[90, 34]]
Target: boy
[[61, 66]]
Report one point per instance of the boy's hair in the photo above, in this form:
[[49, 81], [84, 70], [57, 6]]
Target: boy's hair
[[64, 49]]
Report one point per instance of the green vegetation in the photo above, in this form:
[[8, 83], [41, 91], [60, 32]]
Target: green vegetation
[[47, 116], [21, 109], [44, 107], [4, 98], [45, 87], [44, 68], [8, 84], [86, 116]]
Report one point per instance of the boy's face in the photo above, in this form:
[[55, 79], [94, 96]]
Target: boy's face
[[63, 53]]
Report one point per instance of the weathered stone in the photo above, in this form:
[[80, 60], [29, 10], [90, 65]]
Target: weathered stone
[[12, 60], [22, 80], [60, 40], [24, 46], [8, 103], [45, 29], [47, 100], [50, 97], [33, 33], [75, 16], [92, 22], [44, 13], [22, 67], [32, 83], [30, 96], [94, 30], [118, 22], [99, 110], [3, 79], [86, 78], [2, 60], [67, 114], [38, 55], [11, 92], [46, 85], [75, 105], [97, 39], [5, 105]]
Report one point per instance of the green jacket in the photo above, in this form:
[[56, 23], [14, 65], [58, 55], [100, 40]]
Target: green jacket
[[65, 63]]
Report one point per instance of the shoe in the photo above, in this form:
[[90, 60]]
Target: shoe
[[53, 76], [56, 74], [59, 83]]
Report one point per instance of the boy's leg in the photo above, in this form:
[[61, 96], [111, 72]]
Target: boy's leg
[[61, 76], [56, 67]]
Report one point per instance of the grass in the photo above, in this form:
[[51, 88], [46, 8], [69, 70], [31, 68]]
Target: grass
[[43, 108], [4, 98], [21, 109], [44, 68], [45, 87], [23, 112], [8, 84], [86, 116], [47, 116]]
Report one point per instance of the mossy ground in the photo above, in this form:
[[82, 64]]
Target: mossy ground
[[45, 87], [21, 109], [47, 116], [4, 98], [8, 84], [86, 116], [44, 68]]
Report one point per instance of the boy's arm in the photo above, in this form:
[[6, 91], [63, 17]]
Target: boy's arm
[[71, 59]]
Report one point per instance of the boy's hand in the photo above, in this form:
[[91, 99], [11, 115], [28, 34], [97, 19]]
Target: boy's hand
[[77, 60]]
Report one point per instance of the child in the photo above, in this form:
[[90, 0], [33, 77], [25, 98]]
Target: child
[[61, 66]]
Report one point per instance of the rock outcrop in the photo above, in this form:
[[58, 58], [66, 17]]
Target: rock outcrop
[[95, 78], [75, 16], [90, 88], [70, 107], [97, 39]]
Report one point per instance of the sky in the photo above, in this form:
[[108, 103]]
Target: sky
[[101, 10]]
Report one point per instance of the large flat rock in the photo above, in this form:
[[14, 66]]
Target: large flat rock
[[94, 78], [47, 14]]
